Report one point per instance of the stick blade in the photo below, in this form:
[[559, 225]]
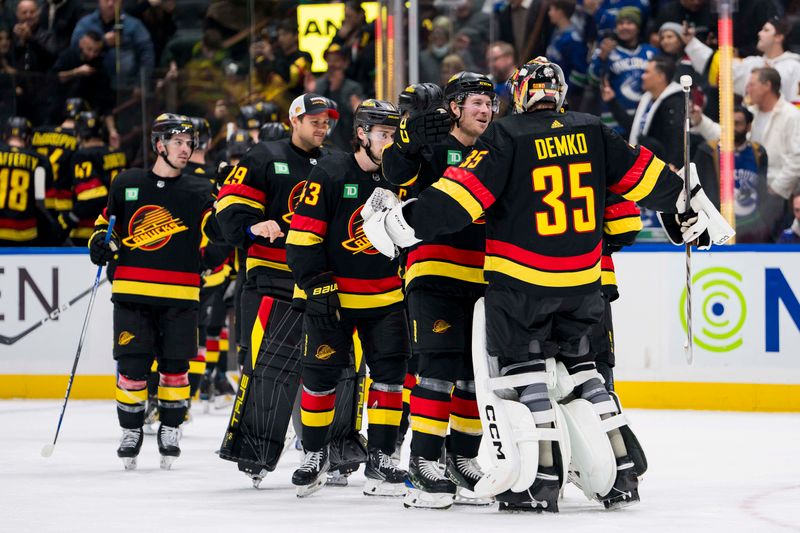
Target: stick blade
[[47, 450]]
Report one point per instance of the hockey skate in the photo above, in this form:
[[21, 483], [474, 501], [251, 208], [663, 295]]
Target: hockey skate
[[465, 472], [206, 390], [129, 447], [151, 416], [383, 476], [625, 491], [223, 392], [168, 445], [336, 479], [428, 488], [310, 477], [541, 496]]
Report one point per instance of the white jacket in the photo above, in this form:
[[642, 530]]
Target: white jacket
[[781, 140]]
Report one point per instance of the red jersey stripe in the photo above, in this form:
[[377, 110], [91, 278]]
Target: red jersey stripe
[[446, 253], [156, 276], [88, 184], [621, 210], [634, 174], [368, 286], [606, 263], [10, 223], [239, 189], [260, 251], [464, 408], [544, 262], [310, 402], [385, 400], [436, 409], [304, 223], [472, 184]]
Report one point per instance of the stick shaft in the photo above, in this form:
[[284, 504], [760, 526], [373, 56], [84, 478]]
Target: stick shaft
[[687, 101]]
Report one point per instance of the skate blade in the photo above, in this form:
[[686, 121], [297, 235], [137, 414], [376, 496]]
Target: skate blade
[[418, 499], [515, 509], [307, 490], [467, 497], [379, 487], [166, 462], [129, 463], [620, 504], [336, 480]]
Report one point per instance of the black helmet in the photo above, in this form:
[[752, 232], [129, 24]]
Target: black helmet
[[466, 83], [203, 129], [238, 145], [74, 106], [268, 111], [17, 127], [537, 81], [88, 125], [373, 112], [168, 124], [253, 116], [273, 131], [420, 97]]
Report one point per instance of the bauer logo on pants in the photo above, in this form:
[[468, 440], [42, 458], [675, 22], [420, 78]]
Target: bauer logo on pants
[[151, 227], [324, 352]]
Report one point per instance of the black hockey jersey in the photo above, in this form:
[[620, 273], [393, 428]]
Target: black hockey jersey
[[541, 178], [57, 144], [265, 185], [327, 236], [93, 169], [18, 210], [456, 258], [622, 221], [159, 227]]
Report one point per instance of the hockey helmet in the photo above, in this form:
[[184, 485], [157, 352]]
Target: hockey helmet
[[373, 112], [238, 145], [538, 80], [19, 127], [463, 84], [74, 106], [250, 117], [168, 124], [203, 129], [273, 131], [420, 97], [88, 125], [268, 111]]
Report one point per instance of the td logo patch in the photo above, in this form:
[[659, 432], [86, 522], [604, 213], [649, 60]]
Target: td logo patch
[[350, 190], [281, 168], [131, 194], [453, 157]]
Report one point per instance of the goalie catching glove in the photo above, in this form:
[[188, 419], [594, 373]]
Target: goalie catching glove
[[384, 223], [699, 223]]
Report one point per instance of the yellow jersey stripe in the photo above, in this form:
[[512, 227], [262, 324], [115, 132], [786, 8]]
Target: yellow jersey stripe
[[446, 270], [156, 290], [461, 195], [91, 194], [542, 278], [302, 238], [227, 201], [622, 225], [369, 301], [645, 186]]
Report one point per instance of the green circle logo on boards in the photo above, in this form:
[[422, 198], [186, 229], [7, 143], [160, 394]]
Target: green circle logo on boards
[[716, 294]]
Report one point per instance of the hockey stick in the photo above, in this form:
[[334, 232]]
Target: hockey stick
[[54, 314], [48, 449], [686, 84]]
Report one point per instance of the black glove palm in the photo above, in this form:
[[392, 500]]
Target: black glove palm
[[100, 251], [322, 304], [421, 129]]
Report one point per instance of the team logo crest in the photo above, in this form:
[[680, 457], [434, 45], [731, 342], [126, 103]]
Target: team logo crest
[[125, 338], [294, 200], [151, 227], [440, 326], [324, 352], [357, 241]]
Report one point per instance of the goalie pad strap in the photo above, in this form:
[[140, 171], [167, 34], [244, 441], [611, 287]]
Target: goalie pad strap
[[614, 422], [517, 380]]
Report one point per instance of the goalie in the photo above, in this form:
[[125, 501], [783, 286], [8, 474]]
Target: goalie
[[541, 176]]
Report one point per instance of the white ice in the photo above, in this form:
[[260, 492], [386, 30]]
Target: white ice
[[709, 471]]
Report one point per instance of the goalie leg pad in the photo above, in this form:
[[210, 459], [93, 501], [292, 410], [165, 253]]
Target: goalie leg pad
[[635, 450], [592, 455]]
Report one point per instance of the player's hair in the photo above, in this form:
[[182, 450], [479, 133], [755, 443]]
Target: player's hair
[[666, 66], [771, 76]]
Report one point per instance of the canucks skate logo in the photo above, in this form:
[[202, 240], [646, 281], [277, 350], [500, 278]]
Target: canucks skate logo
[[357, 241], [722, 306], [324, 352], [294, 199], [440, 326], [151, 227]]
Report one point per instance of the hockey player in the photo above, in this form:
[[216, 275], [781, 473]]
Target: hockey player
[[254, 209], [198, 165], [348, 286], [444, 278], [156, 283], [539, 176], [273, 131], [94, 166], [253, 116], [23, 174]]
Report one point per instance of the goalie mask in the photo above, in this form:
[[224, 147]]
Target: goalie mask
[[538, 81]]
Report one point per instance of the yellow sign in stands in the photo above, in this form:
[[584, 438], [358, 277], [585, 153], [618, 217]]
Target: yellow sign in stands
[[317, 25]]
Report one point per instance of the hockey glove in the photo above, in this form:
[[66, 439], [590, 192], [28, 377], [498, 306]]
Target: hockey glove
[[422, 129], [101, 252], [388, 229], [322, 303], [708, 216], [66, 223], [688, 228]]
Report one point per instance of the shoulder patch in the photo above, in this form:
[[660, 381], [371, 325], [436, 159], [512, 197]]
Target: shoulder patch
[[453, 157], [350, 190], [556, 124], [281, 168], [131, 194]]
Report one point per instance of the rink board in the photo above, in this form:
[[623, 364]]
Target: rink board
[[745, 305]]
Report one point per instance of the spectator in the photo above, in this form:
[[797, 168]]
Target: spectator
[[750, 17], [346, 93], [60, 17], [451, 65], [81, 74], [156, 15], [468, 15], [430, 59], [463, 46], [284, 58], [521, 23], [771, 44], [670, 42], [358, 37], [696, 13], [620, 62], [791, 235], [750, 179], [500, 57], [135, 46], [605, 14], [568, 49]]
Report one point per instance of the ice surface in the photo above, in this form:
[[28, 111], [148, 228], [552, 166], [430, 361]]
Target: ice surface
[[708, 472]]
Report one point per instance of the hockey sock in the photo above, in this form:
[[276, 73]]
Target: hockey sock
[[537, 399], [430, 414], [408, 385], [131, 397], [173, 398], [465, 421], [152, 380], [316, 413], [595, 392], [384, 411], [212, 352], [197, 367]]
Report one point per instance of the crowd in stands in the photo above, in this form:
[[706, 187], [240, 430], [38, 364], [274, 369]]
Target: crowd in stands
[[622, 60]]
